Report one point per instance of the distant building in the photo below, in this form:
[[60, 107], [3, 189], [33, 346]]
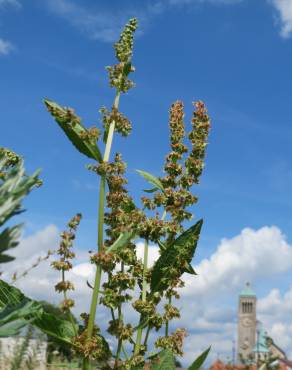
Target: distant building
[[246, 323], [253, 344]]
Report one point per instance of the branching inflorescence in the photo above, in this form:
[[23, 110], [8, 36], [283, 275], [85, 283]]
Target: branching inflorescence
[[129, 282]]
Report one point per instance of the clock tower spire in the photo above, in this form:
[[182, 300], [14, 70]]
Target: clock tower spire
[[246, 323]]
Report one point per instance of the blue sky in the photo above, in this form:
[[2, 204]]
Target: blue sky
[[229, 55], [233, 55]]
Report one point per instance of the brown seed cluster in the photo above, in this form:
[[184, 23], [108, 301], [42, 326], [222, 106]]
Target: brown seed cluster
[[64, 262], [122, 125], [173, 342], [63, 115], [198, 137], [96, 347], [66, 116], [181, 173]]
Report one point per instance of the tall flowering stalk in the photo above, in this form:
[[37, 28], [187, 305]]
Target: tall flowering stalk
[[129, 282]]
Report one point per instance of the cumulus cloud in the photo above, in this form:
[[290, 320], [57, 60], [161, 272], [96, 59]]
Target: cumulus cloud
[[250, 255], [6, 47], [40, 281], [208, 301], [284, 9], [275, 311]]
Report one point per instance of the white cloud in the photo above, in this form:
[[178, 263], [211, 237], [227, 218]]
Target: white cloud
[[284, 8], [101, 25], [14, 3], [5, 47], [105, 25], [209, 300], [251, 255], [275, 310]]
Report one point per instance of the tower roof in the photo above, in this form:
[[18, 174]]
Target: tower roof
[[247, 291]]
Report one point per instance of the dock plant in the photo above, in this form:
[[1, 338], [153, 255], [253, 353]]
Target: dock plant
[[122, 281]]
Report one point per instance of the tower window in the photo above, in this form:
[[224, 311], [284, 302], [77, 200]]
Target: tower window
[[247, 307]]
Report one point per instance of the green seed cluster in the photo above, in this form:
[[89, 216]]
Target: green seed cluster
[[118, 73], [9, 157], [124, 47]]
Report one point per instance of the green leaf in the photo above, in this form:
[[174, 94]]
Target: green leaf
[[151, 179], [6, 258], [13, 189], [9, 295], [122, 240], [53, 324], [163, 360], [74, 130], [127, 68], [189, 269], [9, 237], [12, 328], [14, 318], [153, 190], [162, 246], [56, 327], [197, 364], [175, 258]]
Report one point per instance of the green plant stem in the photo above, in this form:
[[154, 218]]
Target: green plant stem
[[120, 319], [97, 280], [69, 311], [167, 322], [166, 328], [147, 335], [144, 291], [164, 215]]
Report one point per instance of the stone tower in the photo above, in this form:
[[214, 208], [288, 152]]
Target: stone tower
[[246, 323]]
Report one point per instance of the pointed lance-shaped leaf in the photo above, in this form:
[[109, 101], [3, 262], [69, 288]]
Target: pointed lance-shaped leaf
[[13, 189], [9, 239], [151, 179], [4, 258], [153, 190], [14, 318], [53, 324], [56, 327], [197, 364], [163, 360], [176, 257], [122, 240], [9, 295], [74, 130]]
